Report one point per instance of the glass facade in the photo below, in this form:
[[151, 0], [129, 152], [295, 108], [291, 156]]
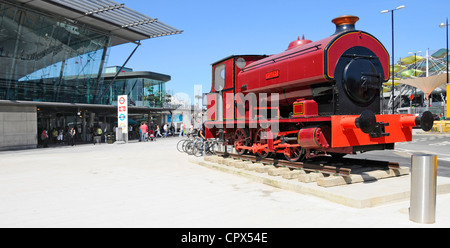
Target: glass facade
[[49, 58], [141, 91], [52, 73], [154, 93]]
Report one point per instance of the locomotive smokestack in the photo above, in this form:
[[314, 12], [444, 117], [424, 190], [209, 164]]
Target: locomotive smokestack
[[345, 23]]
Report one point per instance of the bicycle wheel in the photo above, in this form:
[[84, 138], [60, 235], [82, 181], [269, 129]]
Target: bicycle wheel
[[198, 149], [180, 145], [189, 148], [185, 143], [211, 147]]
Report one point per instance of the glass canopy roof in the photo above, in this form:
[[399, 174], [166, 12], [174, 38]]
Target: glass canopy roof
[[125, 24]]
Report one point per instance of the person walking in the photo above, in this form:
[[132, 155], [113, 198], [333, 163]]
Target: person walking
[[182, 127], [72, 133], [166, 129], [61, 136], [201, 134], [54, 136], [144, 129], [158, 131], [44, 138], [97, 135]]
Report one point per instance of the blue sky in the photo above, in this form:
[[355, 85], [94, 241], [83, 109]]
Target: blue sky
[[216, 29]]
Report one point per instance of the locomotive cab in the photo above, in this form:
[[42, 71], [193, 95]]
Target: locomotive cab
[[221, 102]]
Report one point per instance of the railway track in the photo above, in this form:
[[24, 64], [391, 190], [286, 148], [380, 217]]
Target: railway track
[[326, 165]]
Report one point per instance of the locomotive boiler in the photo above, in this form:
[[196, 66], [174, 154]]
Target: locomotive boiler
[[315, 98]]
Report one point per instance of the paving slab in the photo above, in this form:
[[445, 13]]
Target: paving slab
[[364, 194], [151, 184]]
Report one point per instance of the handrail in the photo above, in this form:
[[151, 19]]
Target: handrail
[[273, 60]]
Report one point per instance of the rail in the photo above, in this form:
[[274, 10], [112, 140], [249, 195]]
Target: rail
[[326, 165]]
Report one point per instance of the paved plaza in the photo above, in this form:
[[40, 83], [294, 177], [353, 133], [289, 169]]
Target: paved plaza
[[151, 184]]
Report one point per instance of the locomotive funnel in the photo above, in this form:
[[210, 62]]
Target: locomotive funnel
[[345, 23]]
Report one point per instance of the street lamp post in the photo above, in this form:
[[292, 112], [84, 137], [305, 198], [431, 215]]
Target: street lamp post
[[446, 36], [415, 60], [415, 68], [448, 85], [392, 66]]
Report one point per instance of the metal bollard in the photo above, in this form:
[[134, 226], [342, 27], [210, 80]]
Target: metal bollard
[[423, 188]]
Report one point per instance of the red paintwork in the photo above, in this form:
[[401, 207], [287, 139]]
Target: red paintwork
[[296, 69], [344, 134], [313, 137], [305, 108], [232, 69], [297, 43], [212, 107], [291, 74], [305, 65], [228, 90], [358, 38]]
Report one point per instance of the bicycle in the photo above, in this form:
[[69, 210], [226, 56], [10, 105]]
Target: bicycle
[[187, 145], [190, 145], [198, 147], [211, 147], [182, 143], [207, 147]]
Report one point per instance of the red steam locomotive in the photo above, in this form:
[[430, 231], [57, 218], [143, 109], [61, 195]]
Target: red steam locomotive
[[313, 99]]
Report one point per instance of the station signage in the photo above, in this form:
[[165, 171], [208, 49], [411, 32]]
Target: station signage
[[122, 113]]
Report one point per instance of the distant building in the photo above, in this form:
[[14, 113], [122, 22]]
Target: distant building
[[115, 69]]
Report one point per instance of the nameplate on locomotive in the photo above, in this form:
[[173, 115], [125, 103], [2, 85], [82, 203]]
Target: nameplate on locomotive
[[272, 74]]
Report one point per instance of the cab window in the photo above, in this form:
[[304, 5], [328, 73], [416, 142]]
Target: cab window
[[219, 77]]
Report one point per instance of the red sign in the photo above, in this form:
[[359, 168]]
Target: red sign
[[411, 97], [272, 74], [122, 100], [122, 108]]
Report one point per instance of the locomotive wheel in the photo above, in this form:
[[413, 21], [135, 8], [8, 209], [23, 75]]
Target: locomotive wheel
[[259, 140], [295, 154], [241, 139]]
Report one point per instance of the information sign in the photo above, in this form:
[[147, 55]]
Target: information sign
[[122, 113]]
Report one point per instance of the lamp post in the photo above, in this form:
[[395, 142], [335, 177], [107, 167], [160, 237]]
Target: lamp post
[[415, 68], [415, 60], [448, 85], [392, 66], [446, 36]]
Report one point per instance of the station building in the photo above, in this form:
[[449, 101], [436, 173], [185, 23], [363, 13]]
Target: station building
[[52, 68]]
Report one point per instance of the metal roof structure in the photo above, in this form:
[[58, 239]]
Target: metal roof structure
[[423, 72], [138, 74], [98, 108], [124, 24]]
